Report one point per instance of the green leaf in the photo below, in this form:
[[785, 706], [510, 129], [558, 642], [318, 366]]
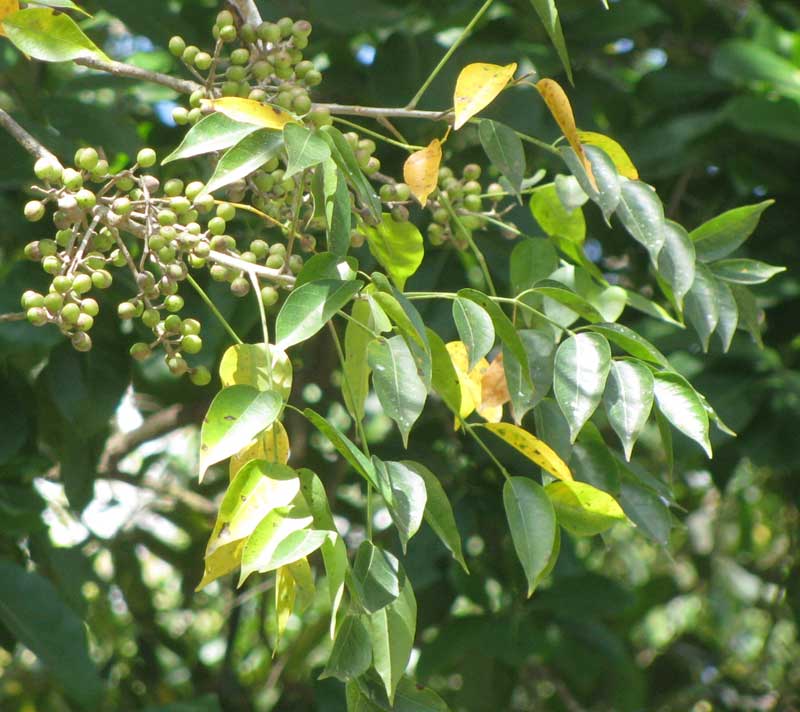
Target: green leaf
[[532, 522], [676, 261], [351, 655], [258, 488], [60, 4], [554, 218], [397, 246], [31, 609], [392, 630], [215, 132], [728, 313], [439, 512], [304, 149], [248, 365], [548, 14], [356, 369], [345, 159], [681, 405], [749, 313], [326, 265], [581, 369], [444, 378], [309, 307], [743, 60], [630, 341], [502, 326], [236, 415], [344, 446], [377, 577], [721, 235], [532, 260], [649, 307], [628, 400], [702, 309], [570, 192], [743, 271], [592, 461], [504, 149], [540, 348], [642, 214], [409, 496], [646, 510], [399, 388], [608, 191], [338, 213], [246, 157], [583, 510], [475, 329], [49, 37], [566, 297]]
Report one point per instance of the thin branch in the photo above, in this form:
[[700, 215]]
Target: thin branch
[[376, 112], [265, 272], [119, 69], [17, 316], [247, 11], [23, 138]]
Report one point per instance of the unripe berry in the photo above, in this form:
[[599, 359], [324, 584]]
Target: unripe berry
[[472, 171], [248, 34], [51, 265], [125, 184], [48, 169], [400, 213], [72, 179], [373, 166], [47, 248], [102, 278], [81, 341], [313, 78], [126, 310], [216, 226], [167, 217], [34, 210], [53, 302], [473, 203], [226, 211], [86, 199], [240, 286], [173, 303], [240, 56], [36, 316], [90, 307], [150, 317], [70, 313], [200, 376], [296, 263], [31, 299], [180, 115], [194, 189], [202, 61], [140, 351], [191, 344], [177, 365], [189, 53], [176, 46], [173, 187], [275, 261], [196, 98], [82, 283], [88, 159], [269, 296], [227, 33], [84, 322], [146, 157], [100, 171], [190, 327], [62, 283], [259, 248]]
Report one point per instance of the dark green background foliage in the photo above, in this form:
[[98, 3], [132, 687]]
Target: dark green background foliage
[[705, 95]]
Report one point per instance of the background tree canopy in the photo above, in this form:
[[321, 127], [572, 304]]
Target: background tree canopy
[[103, 524]]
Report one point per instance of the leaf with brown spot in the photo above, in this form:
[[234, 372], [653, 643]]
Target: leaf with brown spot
[[421, 170], [558, 103], [494, 389], [534, 449], [476, 87]]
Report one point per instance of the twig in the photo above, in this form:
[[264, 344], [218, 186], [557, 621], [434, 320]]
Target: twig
[[23, 138], [377, 112], [18, 316], [119, 69], [266, 272], [247, 11]]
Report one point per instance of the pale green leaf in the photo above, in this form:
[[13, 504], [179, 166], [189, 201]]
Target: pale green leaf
[[304, 149], [583, 510], [474, 328], [215, 132], [397, 246], [49, 37], [723, 234], [246, 157], [628, 400]]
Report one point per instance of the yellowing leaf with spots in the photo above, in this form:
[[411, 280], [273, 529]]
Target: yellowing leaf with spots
[[534, 449], [615, 152], [421, 170], [7, 7], [558, 103], [494, 387], [472, 385], [252, 112], [224, 560], [272, 445], [477, 86], [583, 510]]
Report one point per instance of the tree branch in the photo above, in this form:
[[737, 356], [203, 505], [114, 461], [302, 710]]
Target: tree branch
[[248, 11], [16, 316], [375, 112], [119, 69], [23, 138]]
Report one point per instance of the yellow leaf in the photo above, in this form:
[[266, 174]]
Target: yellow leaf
[[558, 103], [247, 365], [473, 396], [584, 510], [534, 449], [477, 86], [253, 112], [7, 7], [222, 561], [615, 152], [494, 388], [272, 445], [304, 579], [285, 591], [421, 170]]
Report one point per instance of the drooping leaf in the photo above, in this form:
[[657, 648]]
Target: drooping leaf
[[592, 461], [566, 297], [285, 596], [378, 577], [532, 260], [351, 655], [345, 159], [413, 697], [548, 14], [32, 610], [476, 87], [444, 379], [681, 405], [533, 448], [248, 111], [505, 151], [398, 247], [49, 37], [249, 365], [676, 261], [58, 4], [236, 415], [271, 445], [304, 148], [309, 307], [338, 213], [642, 214], [581, 369], [392, 630], [570, 192], [628, 400], [540, 348], [554, 218], [728, 313], [583, 510], [475, 329], [646, 510], [721, 235], [246, 157], [558, 103], [613, 150], [215, 132], [470, 381], [409, 497], [749, 313], [356, 368], [439, 512], [744, 271], [397, 384], [606, 188], [421, 171], [532, 522], [702, 309]]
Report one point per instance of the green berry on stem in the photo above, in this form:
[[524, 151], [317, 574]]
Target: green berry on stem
[[240, 286], [200, 376], [191, 344], [51, 265], [34, 210], [269, 296], [90, 306], [140, 351], [53, 302], [31, 299], [81, 341], [176, 46], [227, 33], [70, 313], [190, 327], [36, 316], [173, 303], [240, 56], [84, 322], [126, 310], [226, 211], [62, 283], [146, 158], [102, 278], [82, 283]]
